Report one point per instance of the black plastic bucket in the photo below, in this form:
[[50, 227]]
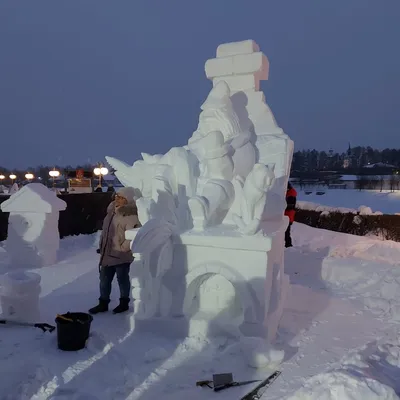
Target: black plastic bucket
[[73, 330]]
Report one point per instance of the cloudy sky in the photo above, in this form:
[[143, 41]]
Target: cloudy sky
[[81, 79]]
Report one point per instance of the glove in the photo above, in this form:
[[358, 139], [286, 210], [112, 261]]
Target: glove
[[98, 251]]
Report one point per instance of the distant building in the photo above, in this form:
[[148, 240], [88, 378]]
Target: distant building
[[379, 165]]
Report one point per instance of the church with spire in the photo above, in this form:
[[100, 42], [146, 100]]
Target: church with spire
[[348, 159]]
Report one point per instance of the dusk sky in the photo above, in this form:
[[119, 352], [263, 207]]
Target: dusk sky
[[82, 79]]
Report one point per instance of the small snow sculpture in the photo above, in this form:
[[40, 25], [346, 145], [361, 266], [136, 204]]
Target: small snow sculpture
[[251, 198], [212, 245], [33, 237]]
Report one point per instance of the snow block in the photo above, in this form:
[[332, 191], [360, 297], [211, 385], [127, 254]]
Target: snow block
[[252, 63], [234, 48], [219, 67], [256, 63], [19, 296]]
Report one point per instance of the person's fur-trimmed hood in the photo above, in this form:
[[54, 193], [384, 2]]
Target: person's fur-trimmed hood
[[125, 211]]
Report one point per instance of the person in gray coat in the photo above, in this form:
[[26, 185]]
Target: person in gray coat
[[115, 251]]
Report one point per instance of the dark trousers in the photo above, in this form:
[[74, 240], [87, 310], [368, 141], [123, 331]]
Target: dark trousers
[[288, 237], [107, 276]]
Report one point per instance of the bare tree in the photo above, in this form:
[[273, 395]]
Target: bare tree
[[394, 181], [381, 182], [361, 182]]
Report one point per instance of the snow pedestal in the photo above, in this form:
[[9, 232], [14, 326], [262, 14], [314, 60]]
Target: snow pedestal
[[220, 283], [19, 296], [33, 237]]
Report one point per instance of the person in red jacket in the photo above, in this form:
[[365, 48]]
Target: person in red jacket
[[291, 197]]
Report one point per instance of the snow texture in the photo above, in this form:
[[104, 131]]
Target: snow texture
[[339, 333]]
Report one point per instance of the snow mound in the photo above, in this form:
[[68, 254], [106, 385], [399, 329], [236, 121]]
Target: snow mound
[[369, 249], [308, 205], [259, 354], [370, 373], [340, 385]]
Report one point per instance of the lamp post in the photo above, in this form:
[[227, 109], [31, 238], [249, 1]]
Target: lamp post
[[13, 177], [29, 176], [54, 174], [100, 171], [2, 177]]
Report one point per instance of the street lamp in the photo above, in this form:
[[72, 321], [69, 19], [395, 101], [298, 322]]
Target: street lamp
[[100, 171], [29, 176], [13, 177], [2, 177], [54, 174]]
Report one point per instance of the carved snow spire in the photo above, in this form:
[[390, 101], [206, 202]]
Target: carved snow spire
[[218, 97]]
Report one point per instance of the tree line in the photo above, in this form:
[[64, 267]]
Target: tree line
[[354, 158]]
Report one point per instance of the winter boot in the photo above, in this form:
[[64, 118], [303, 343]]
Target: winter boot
[[101, 307], [122, 306]]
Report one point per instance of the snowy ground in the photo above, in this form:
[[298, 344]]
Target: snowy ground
[[386, 202], [340, 332]]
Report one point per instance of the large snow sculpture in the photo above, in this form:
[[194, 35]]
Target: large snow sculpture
[[33, 238], [211, 251]]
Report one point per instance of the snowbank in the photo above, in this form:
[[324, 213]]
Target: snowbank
[[371, 373], [386, 202], [341, 385], [362, 210]]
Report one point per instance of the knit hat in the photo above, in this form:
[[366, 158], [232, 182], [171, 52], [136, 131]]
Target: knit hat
[[128, 193]]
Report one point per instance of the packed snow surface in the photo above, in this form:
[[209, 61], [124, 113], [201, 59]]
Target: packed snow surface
[[340, 333]]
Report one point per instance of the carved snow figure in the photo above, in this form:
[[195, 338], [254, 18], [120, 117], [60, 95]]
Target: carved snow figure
[[216, 194], [177, 171], [250, 198], [218, 115], [138, 175]]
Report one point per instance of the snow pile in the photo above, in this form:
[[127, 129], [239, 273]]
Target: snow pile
[[371, 373], [343, 245], [359, 268], [325, 210], [307, 205], [340, 385], [385, 201], [259, 354]]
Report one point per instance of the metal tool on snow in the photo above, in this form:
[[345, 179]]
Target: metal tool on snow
[[43, 326], [223, 381]]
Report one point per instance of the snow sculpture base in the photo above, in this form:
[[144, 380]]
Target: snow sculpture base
[[220, 283], [19, 296]]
